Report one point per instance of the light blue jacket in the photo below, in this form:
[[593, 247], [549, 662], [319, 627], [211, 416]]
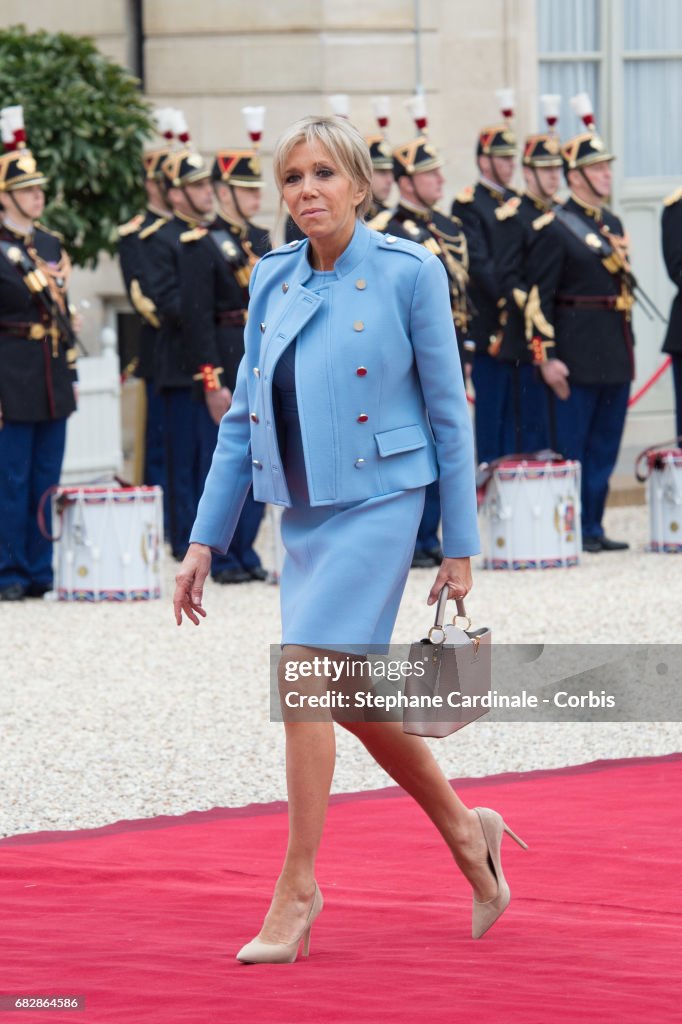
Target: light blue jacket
[[378, 382]]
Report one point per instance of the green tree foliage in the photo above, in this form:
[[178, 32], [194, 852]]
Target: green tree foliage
[[85, 123]]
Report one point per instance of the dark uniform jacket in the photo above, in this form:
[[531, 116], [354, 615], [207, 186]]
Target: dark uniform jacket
[[475, 207], [375, 208], [133, 258], [444, 237], [173, 365], [518, 222], [37, 359], [671, 224], [579, 301], [215, 266], [259, 239], [292, 232]]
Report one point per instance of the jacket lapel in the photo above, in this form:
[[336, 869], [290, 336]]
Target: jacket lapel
[[296, 307]]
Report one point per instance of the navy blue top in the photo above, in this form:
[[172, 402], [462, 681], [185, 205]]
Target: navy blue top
[[284, 395]]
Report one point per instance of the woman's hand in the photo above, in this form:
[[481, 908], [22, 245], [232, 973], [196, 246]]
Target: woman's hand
[[456, 572], [189, 583]]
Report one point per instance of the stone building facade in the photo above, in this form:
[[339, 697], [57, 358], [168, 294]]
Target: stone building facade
[[210, 57]]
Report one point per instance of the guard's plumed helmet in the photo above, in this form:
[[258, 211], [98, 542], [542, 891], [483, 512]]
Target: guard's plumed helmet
[[242, 166], [18, 168], [587, 147], [419, 154]]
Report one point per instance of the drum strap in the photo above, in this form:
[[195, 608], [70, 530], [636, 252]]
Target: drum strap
[[42, 525], [486, 469], [54, 489], [653, 463]]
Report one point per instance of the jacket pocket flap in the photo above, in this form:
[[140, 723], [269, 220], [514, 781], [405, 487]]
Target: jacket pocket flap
[[400, 439]]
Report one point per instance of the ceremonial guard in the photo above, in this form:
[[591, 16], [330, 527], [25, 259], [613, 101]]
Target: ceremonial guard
[[215, 267], [37, 367], [189, 430], [382, 159], [526, 413], [578, 316], [475, 207], [671, 226], [133, 256], [417, 171]]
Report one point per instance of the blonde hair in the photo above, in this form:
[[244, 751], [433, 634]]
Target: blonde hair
[[343, 142]]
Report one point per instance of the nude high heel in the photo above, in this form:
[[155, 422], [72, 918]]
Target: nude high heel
[[485, 914], [259, 952]]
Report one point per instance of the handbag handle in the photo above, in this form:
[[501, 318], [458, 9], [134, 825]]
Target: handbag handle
[[437, 627]]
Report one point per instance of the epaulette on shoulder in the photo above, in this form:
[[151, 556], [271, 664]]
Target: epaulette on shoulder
[[285, 250], [543, 220], [49, 231], [466, 195], [673, 198], [131, 226], [154, 226], [380, 222], [194, 234], [404, 245], [508, 209]]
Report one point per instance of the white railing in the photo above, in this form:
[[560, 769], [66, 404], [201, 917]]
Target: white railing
[[93, 436]]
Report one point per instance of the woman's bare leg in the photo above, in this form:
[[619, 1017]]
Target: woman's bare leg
[[410, 763], [310, 757]]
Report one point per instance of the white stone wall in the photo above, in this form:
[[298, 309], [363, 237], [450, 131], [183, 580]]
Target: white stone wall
[[106, 21]]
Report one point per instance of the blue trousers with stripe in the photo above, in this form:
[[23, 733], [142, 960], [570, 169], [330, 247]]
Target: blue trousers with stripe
[[31, 456], [589, 427], [191, 437]]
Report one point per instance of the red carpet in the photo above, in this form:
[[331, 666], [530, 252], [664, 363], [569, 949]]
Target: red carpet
[[144, 917]]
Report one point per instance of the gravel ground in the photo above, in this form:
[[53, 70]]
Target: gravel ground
[[111, 712]]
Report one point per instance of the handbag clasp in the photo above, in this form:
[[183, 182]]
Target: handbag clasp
[[466, 619]]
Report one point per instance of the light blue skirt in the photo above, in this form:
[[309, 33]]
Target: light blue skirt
[[345, 570]]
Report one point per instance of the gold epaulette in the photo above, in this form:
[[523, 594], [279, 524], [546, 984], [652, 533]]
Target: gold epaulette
[[131, 226], [194, 235], [380, 222], [411, 228], [508, 209], [49, 231], [442, 233], [673, 198], [466, 195], [536, 322], [543, 220], [153, 227]]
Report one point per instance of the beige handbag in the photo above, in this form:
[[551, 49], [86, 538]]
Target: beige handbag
[[451, 673]]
